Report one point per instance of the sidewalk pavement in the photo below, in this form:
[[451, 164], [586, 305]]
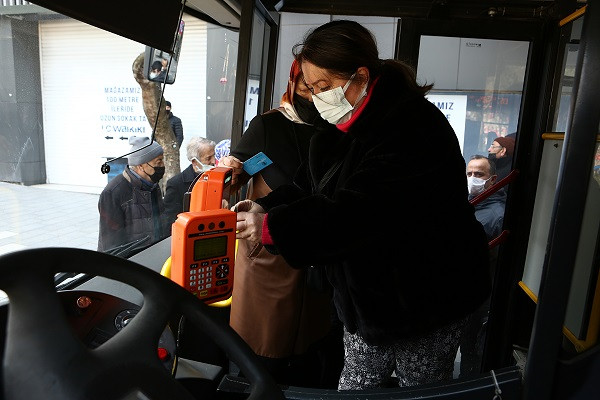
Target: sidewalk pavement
[[48, 216]]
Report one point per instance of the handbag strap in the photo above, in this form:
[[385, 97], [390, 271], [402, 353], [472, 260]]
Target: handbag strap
[[328, 175], [334, 168]]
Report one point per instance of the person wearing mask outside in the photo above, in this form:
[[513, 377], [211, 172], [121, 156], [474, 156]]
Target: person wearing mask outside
[[176, 124], [501, 152], [481, 175], [131, 205], [283, 319], [201, 154], [158, 71], [390, 233]]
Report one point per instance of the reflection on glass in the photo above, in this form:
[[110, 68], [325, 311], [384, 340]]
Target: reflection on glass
[[161, 66], [257, 50], [563, 103], [478, 85]]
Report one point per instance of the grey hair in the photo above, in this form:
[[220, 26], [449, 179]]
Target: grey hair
[[196, 144], [491, 163]]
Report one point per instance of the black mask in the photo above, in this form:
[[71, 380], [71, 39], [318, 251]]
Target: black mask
[[306, 109], [159, 172], [491, 156]]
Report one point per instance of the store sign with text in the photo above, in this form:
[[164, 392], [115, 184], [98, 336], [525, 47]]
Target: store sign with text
[[251, 101], [122, 114], [454, 108]]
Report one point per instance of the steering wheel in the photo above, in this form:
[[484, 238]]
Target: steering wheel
[[45, 360]]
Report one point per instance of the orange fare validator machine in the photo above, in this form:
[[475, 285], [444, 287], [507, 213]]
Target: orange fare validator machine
[[203, 238]]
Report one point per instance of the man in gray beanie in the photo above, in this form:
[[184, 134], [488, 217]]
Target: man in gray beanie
[[131, 205]]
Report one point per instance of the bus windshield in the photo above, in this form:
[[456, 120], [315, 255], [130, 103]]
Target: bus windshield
[[82, 99]]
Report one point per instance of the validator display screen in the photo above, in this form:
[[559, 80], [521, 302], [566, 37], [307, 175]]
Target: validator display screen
[[210, 248]]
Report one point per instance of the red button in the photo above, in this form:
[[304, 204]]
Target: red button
[[163, 354]]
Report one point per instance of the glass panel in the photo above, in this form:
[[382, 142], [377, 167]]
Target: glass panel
[[293, 27], [478, 85], [259, 47], [563, 104], [69, 101], [221, 62]]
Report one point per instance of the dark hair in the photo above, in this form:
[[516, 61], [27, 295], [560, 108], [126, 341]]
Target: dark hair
[[156, 65], [491, 163], [341, 47]]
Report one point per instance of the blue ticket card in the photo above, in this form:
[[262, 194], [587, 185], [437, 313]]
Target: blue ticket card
[[256, 163]]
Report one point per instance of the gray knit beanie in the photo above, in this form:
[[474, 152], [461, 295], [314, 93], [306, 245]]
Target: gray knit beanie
[[146, 154]]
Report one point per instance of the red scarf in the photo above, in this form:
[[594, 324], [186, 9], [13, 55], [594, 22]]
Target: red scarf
[[345, 127]]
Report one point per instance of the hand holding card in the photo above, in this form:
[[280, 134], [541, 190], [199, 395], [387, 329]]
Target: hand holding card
[[257, 163]]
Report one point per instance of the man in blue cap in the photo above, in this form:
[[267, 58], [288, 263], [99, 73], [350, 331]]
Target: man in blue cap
[[131, 205]]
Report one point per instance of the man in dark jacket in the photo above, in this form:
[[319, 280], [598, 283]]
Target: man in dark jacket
[[501, 152], [490, 212], [175, 124], [131, 206], [201, 154], [481, 175]]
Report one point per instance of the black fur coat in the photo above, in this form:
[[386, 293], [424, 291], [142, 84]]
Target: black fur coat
[[393, 225]]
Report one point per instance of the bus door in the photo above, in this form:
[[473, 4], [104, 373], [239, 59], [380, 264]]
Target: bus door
[[487, 80]]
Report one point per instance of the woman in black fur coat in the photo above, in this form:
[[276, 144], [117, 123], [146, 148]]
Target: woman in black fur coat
[[388, 218]]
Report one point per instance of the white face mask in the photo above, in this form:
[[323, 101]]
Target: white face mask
[[202, 168], [153, 75], [476, 185], [333, 105]]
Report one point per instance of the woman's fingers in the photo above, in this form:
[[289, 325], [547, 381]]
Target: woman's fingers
[[242, 206], [249, 226]]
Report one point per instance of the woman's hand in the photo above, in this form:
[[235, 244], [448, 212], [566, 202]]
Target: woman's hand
[[235, 164], [250, 217], [248, 206]]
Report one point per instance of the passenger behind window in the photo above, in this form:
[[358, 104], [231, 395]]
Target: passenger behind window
[[201, 154], [501, 152], [390, 225], [481, 175], [131, 205], [283, 318]]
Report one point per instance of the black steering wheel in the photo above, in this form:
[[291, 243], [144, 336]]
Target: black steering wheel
[[44, 359]]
